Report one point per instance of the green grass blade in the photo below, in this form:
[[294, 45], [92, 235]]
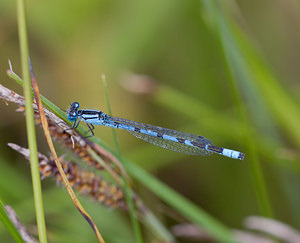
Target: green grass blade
[[185, 207], [30, 125], [128, 192], [9, 225], [132, 212], [109, 112], [279, 101], [239, 70], [56, 110]]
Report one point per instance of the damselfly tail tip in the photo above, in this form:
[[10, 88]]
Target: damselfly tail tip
[[241, 156], [231, 153]]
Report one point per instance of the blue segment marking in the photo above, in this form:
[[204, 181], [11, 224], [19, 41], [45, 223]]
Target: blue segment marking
[[163, 137], [187, 142]]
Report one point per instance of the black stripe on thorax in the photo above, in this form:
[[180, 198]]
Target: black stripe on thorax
[[90, 118], [93, 114], [87, 112]]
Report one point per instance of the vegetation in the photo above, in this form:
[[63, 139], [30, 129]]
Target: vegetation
[[225, 71]]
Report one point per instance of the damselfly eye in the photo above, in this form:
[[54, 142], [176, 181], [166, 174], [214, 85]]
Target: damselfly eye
[[76, 105]]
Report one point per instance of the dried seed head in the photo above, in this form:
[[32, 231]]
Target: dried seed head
[[85, 182]]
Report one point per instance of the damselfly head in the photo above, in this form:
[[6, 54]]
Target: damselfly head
[[72, 112]]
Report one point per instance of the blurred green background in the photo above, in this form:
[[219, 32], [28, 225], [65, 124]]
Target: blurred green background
[[200, 86]]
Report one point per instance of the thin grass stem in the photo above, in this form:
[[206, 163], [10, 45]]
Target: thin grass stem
[[128, 191], [30, 126]]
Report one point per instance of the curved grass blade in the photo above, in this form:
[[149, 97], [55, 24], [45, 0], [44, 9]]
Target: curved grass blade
[[6, 221], [239, 70], [61, 171]]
